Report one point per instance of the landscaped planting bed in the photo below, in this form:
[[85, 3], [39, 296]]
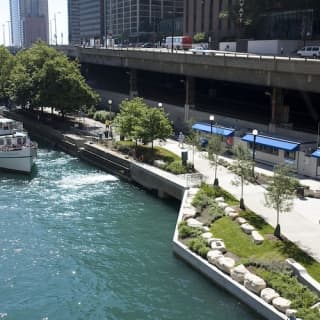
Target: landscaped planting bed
[[242, 244]]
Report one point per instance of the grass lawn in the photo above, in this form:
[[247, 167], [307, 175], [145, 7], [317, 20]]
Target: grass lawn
[[272, 249]]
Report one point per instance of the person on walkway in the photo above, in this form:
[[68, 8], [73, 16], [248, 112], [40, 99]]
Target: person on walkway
[[181, 139]]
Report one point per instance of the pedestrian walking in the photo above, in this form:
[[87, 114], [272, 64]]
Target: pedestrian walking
[[181, 139]]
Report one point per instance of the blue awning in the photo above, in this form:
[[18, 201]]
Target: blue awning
[[205, 127], [273, 142], [316, 154]]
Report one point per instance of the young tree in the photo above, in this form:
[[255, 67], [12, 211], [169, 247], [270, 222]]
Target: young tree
[[280, 193], [215, 149], [155, 125], [192, 138], [242, 168], [129, 121], [199, 37]]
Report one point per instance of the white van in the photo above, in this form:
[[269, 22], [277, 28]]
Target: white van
[[309, 51]]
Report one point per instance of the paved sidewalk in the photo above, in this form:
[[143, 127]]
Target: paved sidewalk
[[301, 225]]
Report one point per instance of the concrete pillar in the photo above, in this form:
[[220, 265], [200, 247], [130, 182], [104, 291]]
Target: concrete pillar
[[190, 86], [279, 111], [133, 91]]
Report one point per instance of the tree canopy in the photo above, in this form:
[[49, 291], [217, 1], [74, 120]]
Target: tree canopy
[[44, 77], [136, 121], [6, 65]]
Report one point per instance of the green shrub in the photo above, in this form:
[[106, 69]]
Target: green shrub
[[177, 167], [199, 246], [215, 211], [200, 200], [290, 288], [185, 231], [102, 116]]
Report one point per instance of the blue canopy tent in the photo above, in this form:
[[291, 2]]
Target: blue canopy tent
[[273, 142], [316, 154], [205, 127]]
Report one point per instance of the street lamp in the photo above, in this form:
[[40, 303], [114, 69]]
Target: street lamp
[[110, 104], [159, 105], [211, 118], [254, 133]]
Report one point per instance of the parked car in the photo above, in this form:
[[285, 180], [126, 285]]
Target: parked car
[[309, 51], [147, 45]]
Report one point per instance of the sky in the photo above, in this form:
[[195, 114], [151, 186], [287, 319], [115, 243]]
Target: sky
[[55, 6]]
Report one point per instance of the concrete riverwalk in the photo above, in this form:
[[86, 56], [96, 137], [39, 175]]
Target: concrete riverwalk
[[301, 225]]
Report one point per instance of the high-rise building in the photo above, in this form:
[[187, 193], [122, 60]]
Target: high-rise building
[[29, 21], [15, 23], [211, 17], [94, 20]]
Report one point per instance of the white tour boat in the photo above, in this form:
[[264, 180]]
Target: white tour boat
[[17, 151]]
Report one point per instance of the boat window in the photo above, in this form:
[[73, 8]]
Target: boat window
[[9, 142], [19, 140], [1, 142], [24, 140]]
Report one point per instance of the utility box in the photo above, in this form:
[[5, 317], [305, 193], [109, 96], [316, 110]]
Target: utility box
[[184, 157]]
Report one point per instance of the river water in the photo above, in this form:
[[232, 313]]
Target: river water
[[77, 243]]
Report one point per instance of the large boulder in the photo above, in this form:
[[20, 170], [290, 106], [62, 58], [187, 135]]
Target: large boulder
[[257, 237], [225, 264], [219, 199], [194, 223], [233, 215], [193, 191], [217, 244], [238, 273], [268, 295], [213, 256], [188, 213], [222, 205], [247, 228], [281, 304], [207, 235], [241, 220], [254, 283], [228, 210]]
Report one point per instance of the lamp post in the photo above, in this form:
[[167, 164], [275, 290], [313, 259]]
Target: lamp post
[[254, 133], [110, 104], [211, 118], [159, 105]]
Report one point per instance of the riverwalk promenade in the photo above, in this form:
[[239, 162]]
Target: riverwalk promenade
[[301, 225]]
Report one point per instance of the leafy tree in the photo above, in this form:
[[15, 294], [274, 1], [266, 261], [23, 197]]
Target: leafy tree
[[61, 86], [199, 37], [6, 64], [155, 125], [242, 168], [215, 149], [43, 77], [280, 193], [129, 120]]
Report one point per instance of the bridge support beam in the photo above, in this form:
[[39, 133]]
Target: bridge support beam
[[189, 103], [133, 90], [279, 111]]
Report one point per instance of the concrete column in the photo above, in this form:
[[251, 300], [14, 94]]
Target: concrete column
[[279, 111], [190, 86], [133, 91]]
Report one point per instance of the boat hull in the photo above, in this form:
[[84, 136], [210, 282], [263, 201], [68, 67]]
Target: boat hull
[[18, 160]]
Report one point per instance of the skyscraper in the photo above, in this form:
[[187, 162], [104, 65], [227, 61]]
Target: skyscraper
[[136, 19], [29, 21]]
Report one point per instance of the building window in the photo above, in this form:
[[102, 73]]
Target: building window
[[265, 149], [211, 16], [318, 162], [290, 155], [187, 16], [202, 15], [194, 15]]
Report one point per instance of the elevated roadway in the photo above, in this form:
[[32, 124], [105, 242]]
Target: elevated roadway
[[275, 72]]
